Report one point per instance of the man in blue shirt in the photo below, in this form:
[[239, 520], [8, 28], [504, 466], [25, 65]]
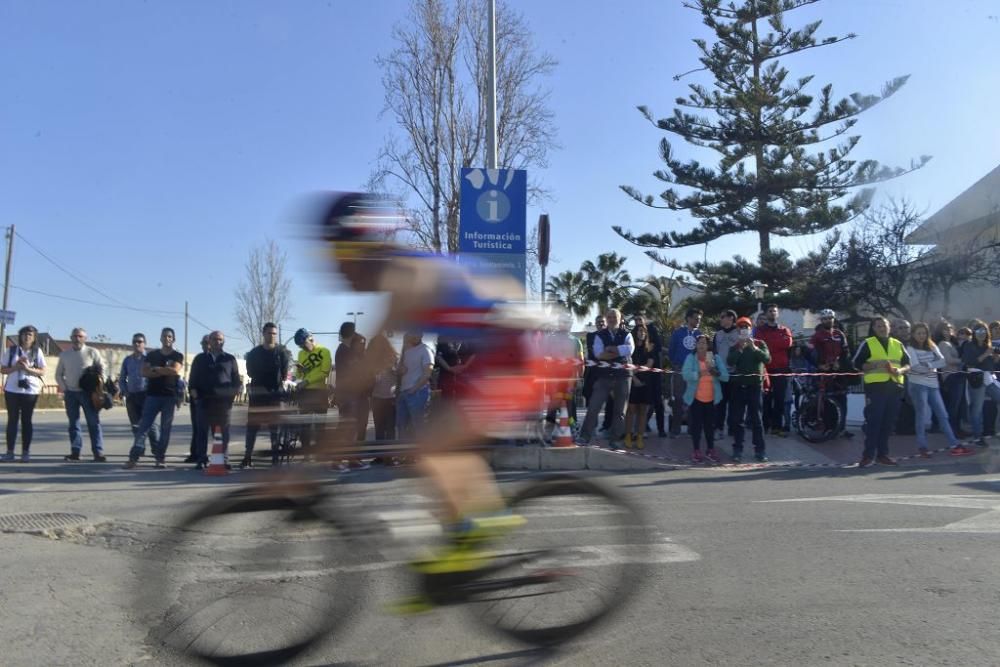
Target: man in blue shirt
[[682, 343], [132, 385]]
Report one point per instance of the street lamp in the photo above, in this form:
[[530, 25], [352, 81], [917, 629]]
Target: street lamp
[[758, 291], [356, 315]]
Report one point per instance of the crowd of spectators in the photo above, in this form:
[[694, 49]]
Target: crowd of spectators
[[723, 383]]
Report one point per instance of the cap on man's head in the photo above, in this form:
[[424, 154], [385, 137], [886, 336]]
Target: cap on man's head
[[744, 322], [347, 329]]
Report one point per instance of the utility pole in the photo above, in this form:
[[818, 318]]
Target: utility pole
[[185, 337], [491, 92], [6, 283]]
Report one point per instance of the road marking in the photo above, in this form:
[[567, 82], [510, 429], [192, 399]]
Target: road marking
[[602, 555], [986, 522]]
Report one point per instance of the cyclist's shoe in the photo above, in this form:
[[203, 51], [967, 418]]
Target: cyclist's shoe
[[466, 549]]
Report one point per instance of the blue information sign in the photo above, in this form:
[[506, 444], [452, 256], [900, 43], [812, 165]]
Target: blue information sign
[[493, 208]]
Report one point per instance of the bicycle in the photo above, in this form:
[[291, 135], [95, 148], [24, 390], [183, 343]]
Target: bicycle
[[818, 417], [292, 554]]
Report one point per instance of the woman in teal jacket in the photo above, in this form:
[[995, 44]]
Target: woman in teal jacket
[[703, 375]]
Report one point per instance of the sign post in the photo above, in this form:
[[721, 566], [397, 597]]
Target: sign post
[[493, 208]]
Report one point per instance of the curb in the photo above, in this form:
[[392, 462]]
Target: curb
[[598, 458]]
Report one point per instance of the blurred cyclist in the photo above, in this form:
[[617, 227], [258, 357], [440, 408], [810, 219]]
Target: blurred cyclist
[[432, 293]]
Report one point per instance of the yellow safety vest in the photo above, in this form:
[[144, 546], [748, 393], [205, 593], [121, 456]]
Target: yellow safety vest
[[879, 353]]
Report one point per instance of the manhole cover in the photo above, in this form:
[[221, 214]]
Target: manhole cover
[[35, 522]]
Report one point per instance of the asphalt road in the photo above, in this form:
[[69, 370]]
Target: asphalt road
[[833, 566]]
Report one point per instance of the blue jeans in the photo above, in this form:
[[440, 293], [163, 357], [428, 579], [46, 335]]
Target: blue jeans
[[925, 400], [75, 400], [977, 395], [410, 411], [953, 393], [153, 406]]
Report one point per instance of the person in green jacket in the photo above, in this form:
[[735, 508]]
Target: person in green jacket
[[747, 359]]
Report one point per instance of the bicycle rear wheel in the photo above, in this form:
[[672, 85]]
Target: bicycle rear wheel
[[575, 562], [248, 580], [818, 421]]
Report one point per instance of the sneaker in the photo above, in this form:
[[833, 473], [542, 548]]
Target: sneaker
[[190, 459], [628, 441], [923, 453], [885, 460], [761, 458], [737, 457], [613, 445], [130, 464], [25, 457], [72, 456], [980, 442], [865, 462], [661, 434], [580, 442], [160, 463], [199, 465], [467, 547], [9, 456], [100, 458], [696, 456], [247, 462], [639, 444], [960, 450], [712, 456]]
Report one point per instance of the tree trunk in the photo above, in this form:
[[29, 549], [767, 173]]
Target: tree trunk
[[762, 230]]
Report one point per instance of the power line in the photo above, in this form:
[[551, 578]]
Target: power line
[[97, 303], [72, 275]]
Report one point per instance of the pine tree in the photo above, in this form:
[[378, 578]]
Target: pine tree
[[772, 178]]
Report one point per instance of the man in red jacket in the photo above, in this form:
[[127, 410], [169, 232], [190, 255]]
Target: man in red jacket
[[779, 341]]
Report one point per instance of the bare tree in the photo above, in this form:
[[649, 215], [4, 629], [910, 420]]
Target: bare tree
[[435, 91], [263, 294]]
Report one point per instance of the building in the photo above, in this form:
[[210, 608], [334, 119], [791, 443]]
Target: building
[[967, 224]]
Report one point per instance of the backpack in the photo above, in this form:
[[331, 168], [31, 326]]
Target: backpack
[[93, 383]]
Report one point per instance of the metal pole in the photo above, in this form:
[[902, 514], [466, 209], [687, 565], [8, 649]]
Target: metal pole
[[6, 283], [185, 337], [491, 90], [543, 283]]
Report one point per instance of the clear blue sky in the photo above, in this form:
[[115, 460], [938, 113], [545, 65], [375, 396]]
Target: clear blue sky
[[147, 146]]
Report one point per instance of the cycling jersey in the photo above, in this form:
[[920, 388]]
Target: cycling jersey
[[829, 346]]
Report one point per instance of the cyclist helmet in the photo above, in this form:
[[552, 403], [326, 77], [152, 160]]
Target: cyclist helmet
[[301, 335], [827, 314], [358, 224]]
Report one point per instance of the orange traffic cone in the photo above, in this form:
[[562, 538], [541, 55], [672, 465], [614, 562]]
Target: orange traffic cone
[[217, 461], [564, 436]]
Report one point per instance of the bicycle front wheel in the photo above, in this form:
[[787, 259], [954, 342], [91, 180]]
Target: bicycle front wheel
[[575, 562], [819, 421], [248, 580]]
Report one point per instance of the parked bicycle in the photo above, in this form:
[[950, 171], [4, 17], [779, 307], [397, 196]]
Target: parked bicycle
[[258, 575], [818, 416]]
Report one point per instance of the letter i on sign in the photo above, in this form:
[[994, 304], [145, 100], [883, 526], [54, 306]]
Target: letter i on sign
[[493, 205]]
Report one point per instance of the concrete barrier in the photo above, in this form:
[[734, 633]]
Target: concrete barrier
[[563, 458], [516, 458]]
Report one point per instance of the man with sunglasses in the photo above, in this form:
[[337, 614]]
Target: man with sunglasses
[[132, 385]]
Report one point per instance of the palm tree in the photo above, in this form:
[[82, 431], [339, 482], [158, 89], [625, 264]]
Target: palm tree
[[609, 281], [571, 291], [659, 294]]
